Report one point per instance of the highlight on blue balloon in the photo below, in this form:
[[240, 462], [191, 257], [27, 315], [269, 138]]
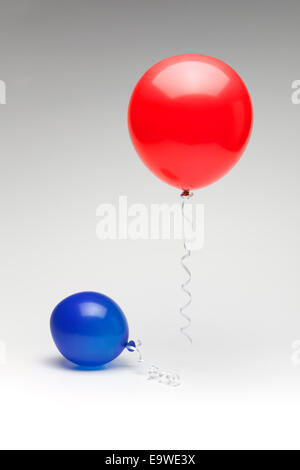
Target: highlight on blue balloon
[[89, 329]]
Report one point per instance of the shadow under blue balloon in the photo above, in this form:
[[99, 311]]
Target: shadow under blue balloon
[[62, 363]]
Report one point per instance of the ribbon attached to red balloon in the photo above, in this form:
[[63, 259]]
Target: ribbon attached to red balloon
[[190, 118]]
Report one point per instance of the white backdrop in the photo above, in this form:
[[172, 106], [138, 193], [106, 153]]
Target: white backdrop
[[69, 68]]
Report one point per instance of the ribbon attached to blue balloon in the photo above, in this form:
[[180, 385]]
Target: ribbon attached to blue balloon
[[153, 372]]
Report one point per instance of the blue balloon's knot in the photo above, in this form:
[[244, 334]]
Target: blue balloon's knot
[[131, 346]]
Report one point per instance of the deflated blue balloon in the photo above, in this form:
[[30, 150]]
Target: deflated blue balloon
[[89, 329]]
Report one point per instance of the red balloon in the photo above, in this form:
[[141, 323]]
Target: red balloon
[[189, 119]]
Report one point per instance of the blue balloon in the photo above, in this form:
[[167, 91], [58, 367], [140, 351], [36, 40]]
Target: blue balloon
[[89, 329]]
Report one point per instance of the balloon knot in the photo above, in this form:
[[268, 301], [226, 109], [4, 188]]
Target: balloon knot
[[186, 193], [131, 346]]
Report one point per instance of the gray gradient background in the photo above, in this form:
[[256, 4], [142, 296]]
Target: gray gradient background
[[70, 67]]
